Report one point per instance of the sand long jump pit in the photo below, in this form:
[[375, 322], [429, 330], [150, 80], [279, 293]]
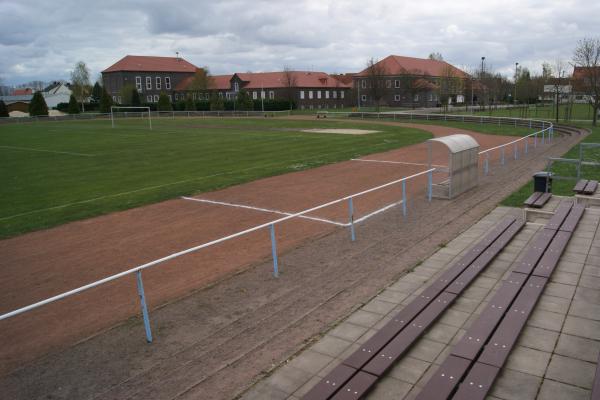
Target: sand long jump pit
[[341, 131]]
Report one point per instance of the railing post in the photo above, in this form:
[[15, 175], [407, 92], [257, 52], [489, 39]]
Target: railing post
[[404, 198], [140, 288], [526, 144], [274, 251], [351, 218], [502, 156], [486, 164], [543, 137], [429, 185], [516, 150], [535, 141]]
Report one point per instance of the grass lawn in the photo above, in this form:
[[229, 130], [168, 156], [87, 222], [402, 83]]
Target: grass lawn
[[547, 111], [491, 129], [564, 187], [55, 172]]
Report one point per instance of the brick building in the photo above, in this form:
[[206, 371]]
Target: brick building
[[150, 75], [306, 89], [398, 81]]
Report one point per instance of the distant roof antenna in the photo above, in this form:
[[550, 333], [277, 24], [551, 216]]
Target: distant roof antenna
[[177, 53]]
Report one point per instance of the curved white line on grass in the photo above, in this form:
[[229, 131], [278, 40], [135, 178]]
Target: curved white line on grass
[[48, 151], [108, 196]]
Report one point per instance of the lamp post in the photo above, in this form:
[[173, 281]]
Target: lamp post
[[560, 73], [516, 77], [481, 82]]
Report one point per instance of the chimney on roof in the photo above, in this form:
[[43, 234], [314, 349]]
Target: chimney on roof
[[177, 55]]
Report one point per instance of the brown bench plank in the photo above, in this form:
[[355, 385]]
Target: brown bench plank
[[507, 333], [531, 199], [478, 333], [580, 185], [477, 383], [543, 199], [560, 214], [445, 379], [591, 187], [573, 218], [385, 358], [549, 260], [535, 251], [356, 387], [330, 383]]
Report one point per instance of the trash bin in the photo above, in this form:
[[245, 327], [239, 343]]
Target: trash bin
[[540, 180]]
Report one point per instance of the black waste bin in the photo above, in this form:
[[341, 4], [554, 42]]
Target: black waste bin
[[540, 180]]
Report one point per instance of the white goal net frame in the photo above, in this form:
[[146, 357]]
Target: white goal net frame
[[147, 109]]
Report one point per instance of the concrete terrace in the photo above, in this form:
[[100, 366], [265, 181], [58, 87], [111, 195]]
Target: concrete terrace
[[555, 357]]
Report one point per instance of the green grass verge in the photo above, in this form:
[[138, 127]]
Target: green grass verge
[[546, 111], [563, 187], [55, 172]]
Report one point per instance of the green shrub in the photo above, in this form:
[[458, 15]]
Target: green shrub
[[38, 106], [164, 104], [73, 107]]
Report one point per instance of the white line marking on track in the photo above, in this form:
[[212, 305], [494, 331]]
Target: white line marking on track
[[223, 203], [397, 162], [364, 217], [48, 151]]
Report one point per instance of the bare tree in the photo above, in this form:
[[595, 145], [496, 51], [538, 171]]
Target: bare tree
[[414, 83], [290, 82], [376, 81], [436, 56], [587, 58], [559, 70], [202, 81], [449, 85], [80, 83]]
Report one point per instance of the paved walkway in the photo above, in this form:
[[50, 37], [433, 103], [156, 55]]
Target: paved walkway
[[555, 357]]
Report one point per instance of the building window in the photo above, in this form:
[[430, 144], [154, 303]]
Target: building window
[[416, 98], [341, 94], [170, 98], [327, 94], [318, 94], [115, 99], [149, 98], [271, 95], [363, 83], [430, 96], [310, 94], [156, 98], [148, 83], [388, 83], [397, 84], [138, 83], [254, 95], [236, 87], [176, 96], [363, 97], [167, 83], [302, 94], [158, 83], [396, 97], [334, 94], [262, 94]]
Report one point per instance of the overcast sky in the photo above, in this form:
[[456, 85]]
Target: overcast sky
[[42, 40]]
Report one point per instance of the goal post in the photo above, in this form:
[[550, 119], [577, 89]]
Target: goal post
[[117, 108]]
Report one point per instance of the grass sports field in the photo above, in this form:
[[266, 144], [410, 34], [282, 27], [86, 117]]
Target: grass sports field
[[55, 172]]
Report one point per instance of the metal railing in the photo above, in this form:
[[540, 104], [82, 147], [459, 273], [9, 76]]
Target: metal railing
[[545, 134], [134, 114], [270, 225]]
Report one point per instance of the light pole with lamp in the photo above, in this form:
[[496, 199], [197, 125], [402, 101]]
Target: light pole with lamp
[[481, 82], [516, 78]]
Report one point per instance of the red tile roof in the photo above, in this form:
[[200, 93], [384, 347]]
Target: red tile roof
[[399, 65], [274, 80], [22, 92], [220, 82], [152, 64]]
